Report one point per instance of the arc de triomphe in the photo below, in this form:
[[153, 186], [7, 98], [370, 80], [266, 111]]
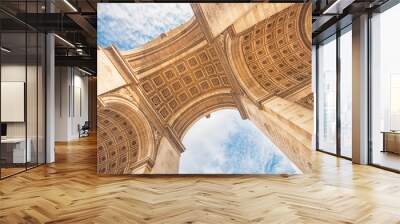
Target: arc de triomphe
[[255, 58]]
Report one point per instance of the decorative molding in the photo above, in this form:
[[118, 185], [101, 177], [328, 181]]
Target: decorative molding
[[307, 101], [219, 45]]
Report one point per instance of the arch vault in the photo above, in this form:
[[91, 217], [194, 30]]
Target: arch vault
[[255, 58]]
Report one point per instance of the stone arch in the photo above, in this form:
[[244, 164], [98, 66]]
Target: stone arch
[[189, 72], [126, 142], [203, 107], [273, 57]]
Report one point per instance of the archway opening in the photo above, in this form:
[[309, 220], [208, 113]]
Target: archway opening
[[224, 143]]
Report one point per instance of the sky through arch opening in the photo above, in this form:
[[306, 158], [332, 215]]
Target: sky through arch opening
[[226, 144]]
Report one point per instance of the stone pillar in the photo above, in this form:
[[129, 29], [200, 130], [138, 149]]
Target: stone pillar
[[167, 160], [360, 90], [288, 125]]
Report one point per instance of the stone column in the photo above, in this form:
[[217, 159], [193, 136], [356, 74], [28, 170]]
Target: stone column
[[167, 160], [288, 126]]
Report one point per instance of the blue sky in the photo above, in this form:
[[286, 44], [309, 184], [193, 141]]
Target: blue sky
[[224, 143], [130, 25]]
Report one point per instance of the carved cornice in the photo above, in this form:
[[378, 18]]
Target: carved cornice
[[141, 167], [307, 101], [113, 90]]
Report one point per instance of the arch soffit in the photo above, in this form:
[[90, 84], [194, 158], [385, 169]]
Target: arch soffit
[[273, 57], [179, 85], [203, 107], [196, 103], [118, 144], [136, 117]]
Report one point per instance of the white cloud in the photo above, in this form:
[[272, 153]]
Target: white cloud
[[224, 143], [207, 145], [129, 25]]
